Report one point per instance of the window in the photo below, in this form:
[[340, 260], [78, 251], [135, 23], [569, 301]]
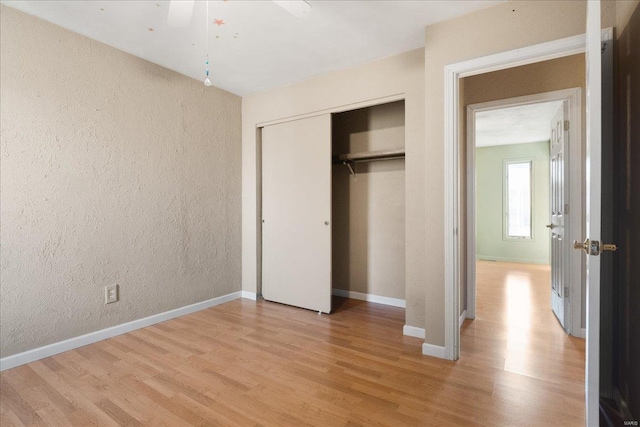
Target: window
[[517, 203]]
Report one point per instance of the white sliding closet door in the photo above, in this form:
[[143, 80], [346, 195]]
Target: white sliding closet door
[[296, 213]]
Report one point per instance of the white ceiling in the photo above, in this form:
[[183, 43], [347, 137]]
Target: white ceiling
[[515, 125], [260, 45]]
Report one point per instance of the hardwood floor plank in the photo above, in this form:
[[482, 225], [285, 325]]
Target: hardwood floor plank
[[53, 416], [116, 413], [9, 419], [11, 400]]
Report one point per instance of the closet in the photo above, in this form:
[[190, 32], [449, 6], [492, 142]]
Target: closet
[[333, 207]]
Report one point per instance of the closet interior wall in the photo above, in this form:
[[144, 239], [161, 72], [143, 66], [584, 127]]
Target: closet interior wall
[[368, 208]]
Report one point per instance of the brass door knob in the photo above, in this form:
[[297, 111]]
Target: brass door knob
[[593, 247], [581, 245]]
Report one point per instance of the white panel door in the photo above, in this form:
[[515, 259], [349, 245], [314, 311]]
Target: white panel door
[[558, 215], [593, 207], [296, 213]]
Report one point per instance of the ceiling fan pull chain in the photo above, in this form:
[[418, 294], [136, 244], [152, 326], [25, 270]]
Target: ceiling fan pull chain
[[207, 82]]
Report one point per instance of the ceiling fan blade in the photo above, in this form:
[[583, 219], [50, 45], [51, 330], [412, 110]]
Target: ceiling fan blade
[[180, 12], [298, 8]]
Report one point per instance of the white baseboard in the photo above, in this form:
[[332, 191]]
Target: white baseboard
[[412, 331], [427, 349], [249, 295], [396, 302], [462, 317], [71, 343], [433, 350]]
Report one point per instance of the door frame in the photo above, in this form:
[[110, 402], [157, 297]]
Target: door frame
[[452, 75], [573, 97]]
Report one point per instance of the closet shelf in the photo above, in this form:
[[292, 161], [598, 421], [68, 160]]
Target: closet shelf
[[368, 156]]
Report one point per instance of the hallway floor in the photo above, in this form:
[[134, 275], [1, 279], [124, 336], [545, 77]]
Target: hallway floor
[[516, 334]]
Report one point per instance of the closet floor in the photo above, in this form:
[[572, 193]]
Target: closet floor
[[252, 363]]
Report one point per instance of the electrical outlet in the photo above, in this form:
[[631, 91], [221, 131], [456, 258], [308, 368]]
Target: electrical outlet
[[110, 294]]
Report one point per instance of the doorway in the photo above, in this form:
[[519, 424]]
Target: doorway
[[592, 43], [523, 194], [513, 178]]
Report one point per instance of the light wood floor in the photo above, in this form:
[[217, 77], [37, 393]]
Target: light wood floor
[[246, 363]]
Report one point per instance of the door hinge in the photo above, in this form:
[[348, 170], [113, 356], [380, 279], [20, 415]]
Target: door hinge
[[566, 209], [566, 292], [566, 125]]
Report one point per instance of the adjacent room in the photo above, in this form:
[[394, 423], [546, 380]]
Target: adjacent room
[[225, 213]]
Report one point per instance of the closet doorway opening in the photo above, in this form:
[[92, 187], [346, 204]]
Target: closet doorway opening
[[368, 205], [333, 208]]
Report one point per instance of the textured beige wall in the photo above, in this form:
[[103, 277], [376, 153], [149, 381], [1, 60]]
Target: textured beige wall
[[546, 76], [504, 27], [368, 233], [616, 13], [114, 171], [623, 11], [400, 74]]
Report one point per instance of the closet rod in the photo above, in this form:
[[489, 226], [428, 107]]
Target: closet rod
[[368, 157]]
